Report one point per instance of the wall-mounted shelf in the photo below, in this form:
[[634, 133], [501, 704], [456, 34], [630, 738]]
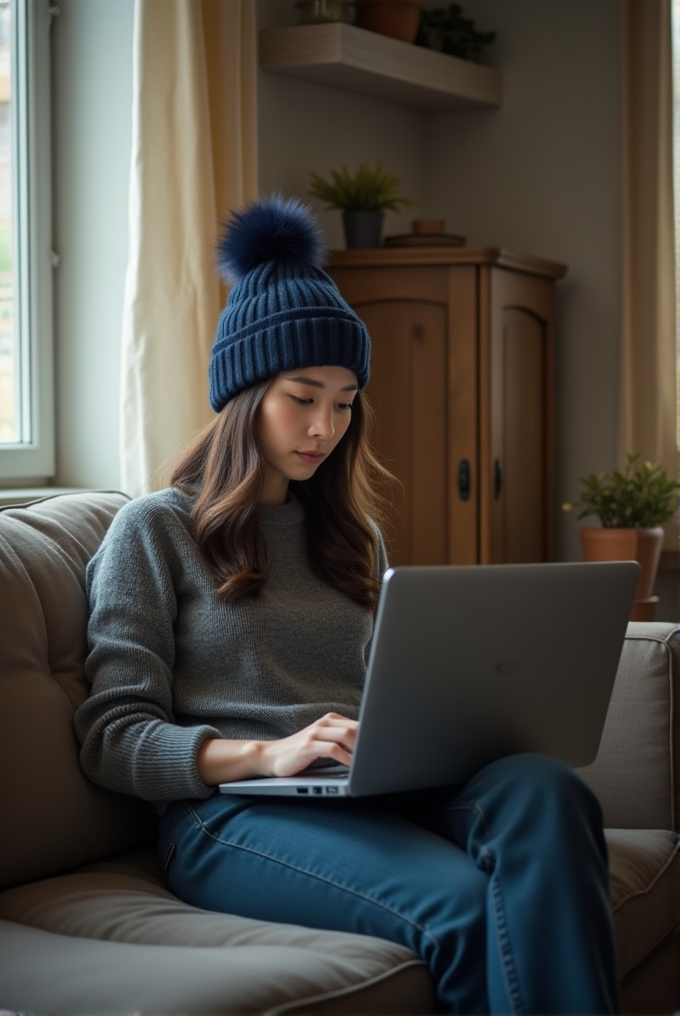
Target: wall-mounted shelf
[[351, 58]]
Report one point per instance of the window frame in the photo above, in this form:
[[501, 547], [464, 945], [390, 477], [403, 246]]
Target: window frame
[[35, 460]]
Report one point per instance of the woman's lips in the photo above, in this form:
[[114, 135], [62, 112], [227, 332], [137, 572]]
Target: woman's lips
[[311, 457]]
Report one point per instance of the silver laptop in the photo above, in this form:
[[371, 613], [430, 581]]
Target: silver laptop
[[470, 664]]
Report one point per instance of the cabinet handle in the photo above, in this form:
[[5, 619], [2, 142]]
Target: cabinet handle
[[464, 480], [497, 478]]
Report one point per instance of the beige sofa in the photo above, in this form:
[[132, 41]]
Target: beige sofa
[[86, 924]]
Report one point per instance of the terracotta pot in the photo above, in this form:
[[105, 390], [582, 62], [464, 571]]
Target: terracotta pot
[[396, 18], [642, 545]]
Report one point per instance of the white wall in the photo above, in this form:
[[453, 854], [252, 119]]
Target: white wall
[[92, 96]]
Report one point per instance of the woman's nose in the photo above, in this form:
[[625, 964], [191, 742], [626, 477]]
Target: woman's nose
[[322, 425]]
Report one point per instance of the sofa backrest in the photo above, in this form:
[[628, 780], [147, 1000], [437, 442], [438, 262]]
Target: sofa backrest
[[53, 817], [636, 773]]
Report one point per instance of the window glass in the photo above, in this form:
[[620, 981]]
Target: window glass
[[26, 355]]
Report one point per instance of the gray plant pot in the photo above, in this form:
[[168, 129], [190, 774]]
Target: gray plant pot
[[362, 228]]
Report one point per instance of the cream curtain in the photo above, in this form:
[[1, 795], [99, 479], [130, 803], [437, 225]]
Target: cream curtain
[[231, 48], [172, 297], [647, 402]]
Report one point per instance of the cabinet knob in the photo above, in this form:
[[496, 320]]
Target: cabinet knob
[[464, 480], [418, 333], [497, 478]]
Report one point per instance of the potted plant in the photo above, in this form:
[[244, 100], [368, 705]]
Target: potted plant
[[446, 29], [363, 197], [632, 506]]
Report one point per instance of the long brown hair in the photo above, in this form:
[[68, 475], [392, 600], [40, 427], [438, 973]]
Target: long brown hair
[[223, 468]]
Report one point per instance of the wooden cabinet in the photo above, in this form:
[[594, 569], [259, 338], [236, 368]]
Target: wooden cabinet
[[462, 384]]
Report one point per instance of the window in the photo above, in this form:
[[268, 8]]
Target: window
[[26, 395]]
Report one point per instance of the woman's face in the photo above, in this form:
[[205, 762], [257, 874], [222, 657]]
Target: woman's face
[[304, 414]]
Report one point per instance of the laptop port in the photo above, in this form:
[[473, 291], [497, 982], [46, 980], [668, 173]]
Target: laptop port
[[317, 790], [331, 790], [303, 790]]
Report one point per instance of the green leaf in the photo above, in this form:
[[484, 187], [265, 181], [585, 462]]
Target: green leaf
[[369, 187]]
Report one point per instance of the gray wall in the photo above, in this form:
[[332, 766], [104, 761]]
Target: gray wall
[[540, 175]]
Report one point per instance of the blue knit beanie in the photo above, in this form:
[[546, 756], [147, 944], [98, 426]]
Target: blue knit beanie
[[284, 311]]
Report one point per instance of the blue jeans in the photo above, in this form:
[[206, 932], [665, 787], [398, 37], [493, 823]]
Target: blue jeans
[[501, 885]]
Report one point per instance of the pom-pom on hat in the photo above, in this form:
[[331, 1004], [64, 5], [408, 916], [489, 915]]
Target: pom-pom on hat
[[284, 311]]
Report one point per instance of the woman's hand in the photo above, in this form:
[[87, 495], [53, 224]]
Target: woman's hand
[[331, 736], [222, 760]]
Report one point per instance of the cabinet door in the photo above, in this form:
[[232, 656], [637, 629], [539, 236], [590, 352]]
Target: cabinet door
[[516, 430], [408, 392]]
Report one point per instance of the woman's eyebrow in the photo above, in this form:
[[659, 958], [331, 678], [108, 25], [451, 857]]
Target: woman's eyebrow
[[313, 383]]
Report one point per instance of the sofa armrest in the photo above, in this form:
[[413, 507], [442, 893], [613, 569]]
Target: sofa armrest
[[635, 773]]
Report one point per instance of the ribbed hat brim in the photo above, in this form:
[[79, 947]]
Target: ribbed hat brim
[[281, 343]]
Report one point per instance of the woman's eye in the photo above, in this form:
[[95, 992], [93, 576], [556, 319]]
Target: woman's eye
[[301, 402], [345, 405]]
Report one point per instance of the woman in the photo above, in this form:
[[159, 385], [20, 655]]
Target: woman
[[230, 622]]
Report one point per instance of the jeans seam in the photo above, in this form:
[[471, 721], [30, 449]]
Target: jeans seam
[[504, 948], [321, 878]]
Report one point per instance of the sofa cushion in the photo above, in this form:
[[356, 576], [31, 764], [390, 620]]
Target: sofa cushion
[[59, 819], [56, 974], [635, 773], [110, 937], [645, 882]]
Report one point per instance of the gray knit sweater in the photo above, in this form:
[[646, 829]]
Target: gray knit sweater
[[170, 665]]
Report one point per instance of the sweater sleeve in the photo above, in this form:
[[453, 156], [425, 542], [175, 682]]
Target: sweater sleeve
[[130, 741]]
